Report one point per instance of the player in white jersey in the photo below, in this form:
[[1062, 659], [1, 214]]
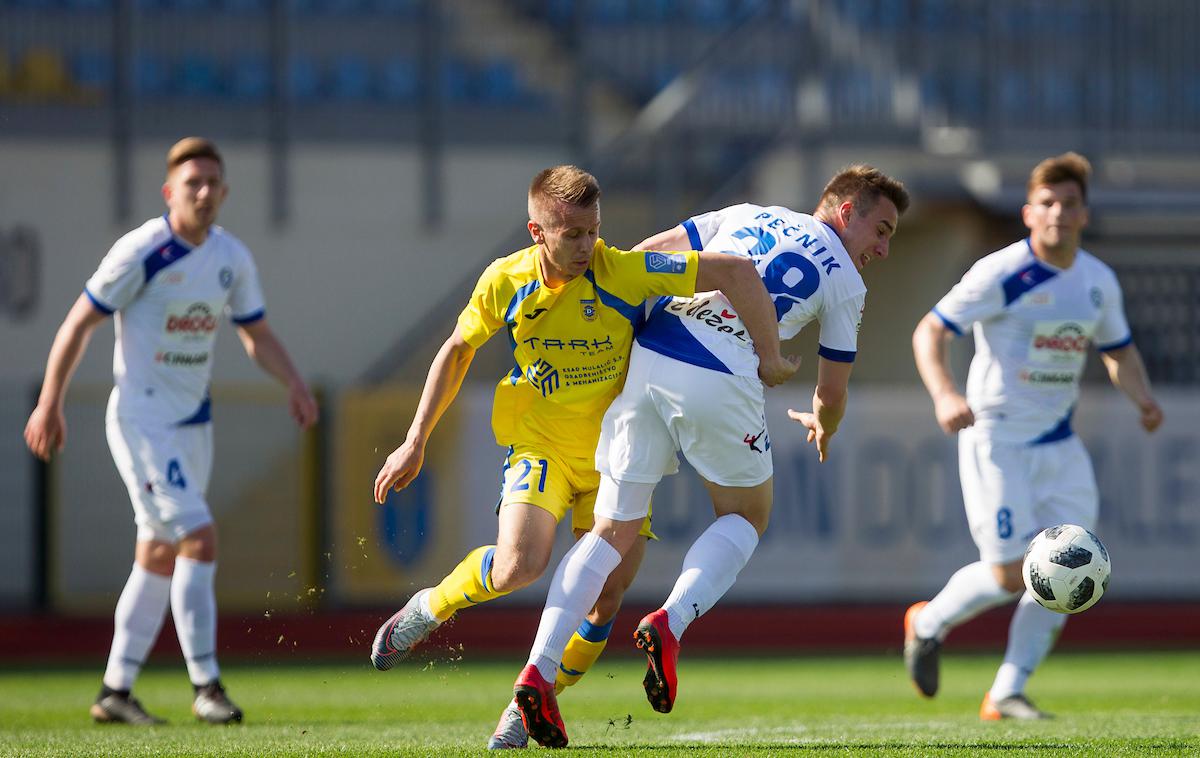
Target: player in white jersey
[[168, 282], [692, 387], [1034, 308]]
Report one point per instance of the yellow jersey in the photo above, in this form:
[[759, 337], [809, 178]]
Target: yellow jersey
[[570, 344]]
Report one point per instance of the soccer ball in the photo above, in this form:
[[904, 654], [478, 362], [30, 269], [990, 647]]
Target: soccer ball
[[1066, 568]]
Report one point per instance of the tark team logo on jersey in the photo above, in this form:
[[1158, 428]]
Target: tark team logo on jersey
[[587, 309], [225, 277], [542, 376]]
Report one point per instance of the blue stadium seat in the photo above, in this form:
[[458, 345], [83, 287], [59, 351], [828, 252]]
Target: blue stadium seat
[[1147, 98], [403, 9], [400, 80], [250, 78], [92, 70], [1060, 95], [560, 12], [610, 12], [936, 15], [499, 84], [33, 4], [1189, 97], [457, 81], [967, 94], [151, 76], [892, 15], [350, 78], [304, 79], [656, 11], [246, 7], [1013, 93], [187, 5], [709, 12], [339, 7], [87, 5], [198, 75]]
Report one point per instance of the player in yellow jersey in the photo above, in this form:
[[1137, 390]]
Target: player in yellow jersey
[[570, 305]]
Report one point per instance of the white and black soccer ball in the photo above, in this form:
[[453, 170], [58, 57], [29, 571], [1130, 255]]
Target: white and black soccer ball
[[1066, 568]]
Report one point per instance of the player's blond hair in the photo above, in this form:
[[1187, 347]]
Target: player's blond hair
[[862, 185], [1068, 167], [190, 148], [567, 184]]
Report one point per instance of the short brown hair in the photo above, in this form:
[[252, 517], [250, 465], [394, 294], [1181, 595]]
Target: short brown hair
[[568, 184], [190, 148], [862, 185], [1068, 167]]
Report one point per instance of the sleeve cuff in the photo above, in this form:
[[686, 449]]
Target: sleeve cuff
[[99, 304], [948, 323], [1115, 345], [249, 318], [841, 356], [693, 234]]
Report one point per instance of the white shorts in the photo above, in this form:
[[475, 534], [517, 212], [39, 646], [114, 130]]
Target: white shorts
[[165, 469], [1014, 490], [717, 420]]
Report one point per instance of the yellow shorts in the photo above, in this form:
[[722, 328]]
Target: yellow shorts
[[555, 484]]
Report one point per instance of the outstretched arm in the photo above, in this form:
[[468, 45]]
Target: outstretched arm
[[739, 281], [46, 430], [929, 349], [829, 404], [445, 377], [1127, 372], [268, 352]]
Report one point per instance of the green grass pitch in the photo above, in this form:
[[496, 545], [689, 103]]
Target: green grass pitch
[[1107, 704]]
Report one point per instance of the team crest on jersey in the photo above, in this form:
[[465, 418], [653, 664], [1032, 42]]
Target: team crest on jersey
[[587, 309], [667, 263], [1097, 298], [225, 277]]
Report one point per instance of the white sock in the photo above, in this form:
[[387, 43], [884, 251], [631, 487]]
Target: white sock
[[138, 618], [1031, 634], [576, 586], [194, 606], [971, 591], [709, 570]]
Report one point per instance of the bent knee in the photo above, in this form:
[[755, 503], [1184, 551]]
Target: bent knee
[[512, 575]]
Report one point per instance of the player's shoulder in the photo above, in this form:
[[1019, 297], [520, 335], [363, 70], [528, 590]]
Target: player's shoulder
[[230, 245], [1004, 262], [1094, 265], [512, 270], [143, 240], [223, 236], [741, 212]]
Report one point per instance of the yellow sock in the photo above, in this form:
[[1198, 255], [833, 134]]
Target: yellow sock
[[470, 583], [582, 650]]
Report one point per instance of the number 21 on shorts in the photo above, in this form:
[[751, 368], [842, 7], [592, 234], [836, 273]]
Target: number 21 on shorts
[[522, 482]]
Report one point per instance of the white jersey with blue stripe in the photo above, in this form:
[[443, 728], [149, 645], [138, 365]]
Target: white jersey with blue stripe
[[805, 268], [168, 298], [1032, 324]]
